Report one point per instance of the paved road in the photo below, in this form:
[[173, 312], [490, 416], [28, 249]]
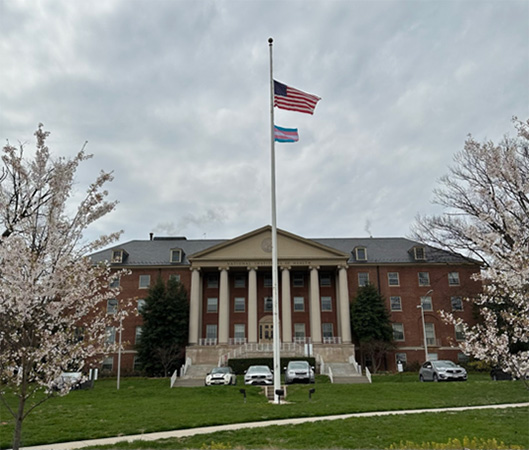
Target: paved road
[[238, 426]]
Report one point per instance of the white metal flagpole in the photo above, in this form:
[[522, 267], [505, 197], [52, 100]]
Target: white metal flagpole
[[275, 301]]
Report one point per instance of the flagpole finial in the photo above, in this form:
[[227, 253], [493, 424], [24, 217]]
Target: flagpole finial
[[270, 40]]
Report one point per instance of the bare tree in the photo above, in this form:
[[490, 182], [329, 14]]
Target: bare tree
[[485, 196], [50, 292]]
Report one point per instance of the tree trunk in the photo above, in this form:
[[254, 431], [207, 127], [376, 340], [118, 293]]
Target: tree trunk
[[17, 434]]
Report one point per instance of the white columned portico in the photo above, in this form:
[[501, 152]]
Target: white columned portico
[[252, 305], [315, 310], [285, 305], [194, 307], [224, 306], [344, 315]]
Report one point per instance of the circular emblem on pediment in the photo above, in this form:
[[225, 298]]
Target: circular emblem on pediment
[[266, 245]]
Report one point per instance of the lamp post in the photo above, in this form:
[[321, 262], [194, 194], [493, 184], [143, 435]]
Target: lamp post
[[423, 326], [119, 351]]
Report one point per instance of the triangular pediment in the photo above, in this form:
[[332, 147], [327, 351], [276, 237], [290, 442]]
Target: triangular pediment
[[255, 248]]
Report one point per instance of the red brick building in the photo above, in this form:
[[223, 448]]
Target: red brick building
[[229, 284]]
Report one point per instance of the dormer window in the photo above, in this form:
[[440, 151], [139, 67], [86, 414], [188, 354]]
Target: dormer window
[[361, 253], [176, 255], [118, 256], [419, 253]]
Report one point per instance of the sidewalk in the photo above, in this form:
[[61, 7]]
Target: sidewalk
[[239, 426]]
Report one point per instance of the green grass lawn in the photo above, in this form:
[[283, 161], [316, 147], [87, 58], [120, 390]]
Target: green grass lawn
[[147, 405]]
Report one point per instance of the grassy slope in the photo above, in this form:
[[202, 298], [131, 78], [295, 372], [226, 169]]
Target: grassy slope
[[149, 405]]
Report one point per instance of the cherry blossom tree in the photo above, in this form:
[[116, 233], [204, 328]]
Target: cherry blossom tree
[[485, 196], [50, 293]]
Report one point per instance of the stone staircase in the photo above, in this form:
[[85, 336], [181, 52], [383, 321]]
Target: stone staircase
[[344, 373], [195, 376]]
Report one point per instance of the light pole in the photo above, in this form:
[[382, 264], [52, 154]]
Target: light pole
[[424, 327], [119, 351]]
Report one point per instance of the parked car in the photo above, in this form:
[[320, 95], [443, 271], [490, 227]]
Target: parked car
[[258, 375], [221, 375], [442, 370], [497, 374], [299, 372], [72, 380]]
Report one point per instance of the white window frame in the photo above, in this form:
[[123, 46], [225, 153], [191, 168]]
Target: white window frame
[[108, 364], [419, 253], [329, 332], [459, 332], [212, 281], [110, 333], [137, 333], [453, 279], [299, 331], [297, 301], [212, 305], [429, 332], [423, 278], [144, 282], [427, 303], [393, 299], [112, 306], [393, 279], [239, 304], [456, 299], [398, 328], [361, 253], [239, 331], [268, 305], [362, 282], [141, 304], [298, 280], [325, 280], [239, 281], [117, 256], [326, 303], [209, 331], [176, 256]]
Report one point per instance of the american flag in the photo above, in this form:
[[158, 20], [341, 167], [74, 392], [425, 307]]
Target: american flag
[[292, 99]]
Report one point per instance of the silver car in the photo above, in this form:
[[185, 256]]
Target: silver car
[[299, 372], [221, 375], [442, 370], [258, 375]]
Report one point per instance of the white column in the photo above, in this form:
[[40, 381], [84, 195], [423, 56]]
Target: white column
[[252, 305], [345, 318], [286, 308], [224, 307], [194, 307], [315, 309]]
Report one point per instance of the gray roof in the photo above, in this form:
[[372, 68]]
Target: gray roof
[[379, 251]]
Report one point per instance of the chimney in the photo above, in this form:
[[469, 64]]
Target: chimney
[[151, 235]]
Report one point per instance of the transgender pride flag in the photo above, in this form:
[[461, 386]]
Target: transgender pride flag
[[285, 134]]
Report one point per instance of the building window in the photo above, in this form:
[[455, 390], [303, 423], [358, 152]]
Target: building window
[[395, 303], [137, 335], [299, 331], [112, 306], [213, 281], [141, 305], [462, 358], [145, 281], [267, 280], [211, 331], [299, 304], [457, 303], [429, 330], [239, 304], [110, 335], [393, 279], [298, 280], [460, 332], [114, 283], [424, 279], [326, 304], [419, 253], [213, 305], [325, 279], [327, 330], [363, 279], [402, 357], [239, 281], [453, 278], [426, 303], [361, 253], [176, 256], [137, 366], [398, 331], [175, 277], [108, 364], [268, 304], [118, 256], [239, 331]]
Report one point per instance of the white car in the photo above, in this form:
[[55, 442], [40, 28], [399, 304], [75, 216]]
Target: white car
[[442, 370], [221, 375], [258, 375], [299, 372]]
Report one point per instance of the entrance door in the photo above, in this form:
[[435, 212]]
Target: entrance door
[[266, 329]]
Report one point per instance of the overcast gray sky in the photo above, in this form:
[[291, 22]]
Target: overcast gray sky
[[173, 96]]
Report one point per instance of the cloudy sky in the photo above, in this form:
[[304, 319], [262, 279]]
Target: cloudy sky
[[173, 96]]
